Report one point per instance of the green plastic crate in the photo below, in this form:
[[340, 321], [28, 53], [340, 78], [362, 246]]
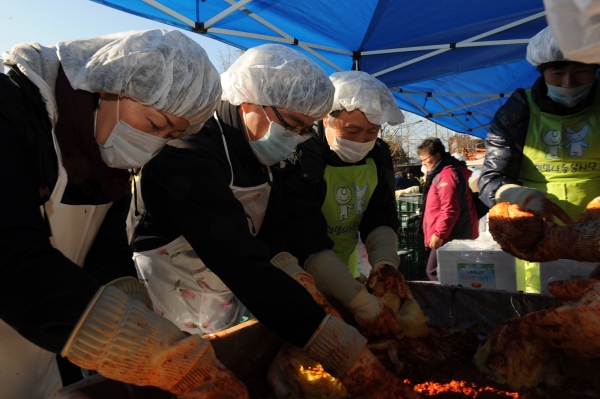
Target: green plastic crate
[[411, 243]]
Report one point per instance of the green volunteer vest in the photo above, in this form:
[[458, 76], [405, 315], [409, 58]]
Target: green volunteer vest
[[349, 189], [561, 155], [560, 158]]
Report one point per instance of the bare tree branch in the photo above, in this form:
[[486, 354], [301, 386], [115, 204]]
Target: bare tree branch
[[226, 56], [404, 139]]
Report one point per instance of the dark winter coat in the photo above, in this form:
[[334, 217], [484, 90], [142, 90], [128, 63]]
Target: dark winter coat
[[508, 131], [185, 192]]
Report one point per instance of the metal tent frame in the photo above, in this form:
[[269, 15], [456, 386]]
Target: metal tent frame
[[467, 112]]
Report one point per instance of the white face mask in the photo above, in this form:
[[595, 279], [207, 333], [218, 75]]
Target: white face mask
[[128, 147], [351, 151], [569, 97], [276, 145]]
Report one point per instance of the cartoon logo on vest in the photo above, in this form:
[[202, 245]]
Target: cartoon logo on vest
[[552, 138], [360, 202], [576, 143], [343, 195]]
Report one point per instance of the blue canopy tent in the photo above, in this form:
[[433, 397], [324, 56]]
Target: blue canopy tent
[[454, 62]]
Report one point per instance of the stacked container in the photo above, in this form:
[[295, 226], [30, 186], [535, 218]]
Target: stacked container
[[411, 244]]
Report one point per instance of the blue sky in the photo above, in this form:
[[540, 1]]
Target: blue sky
[[50, 21]]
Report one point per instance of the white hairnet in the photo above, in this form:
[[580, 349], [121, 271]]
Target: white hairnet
[[276, 75], [160, 68], [359, 90], [543, 48], [576, 28]]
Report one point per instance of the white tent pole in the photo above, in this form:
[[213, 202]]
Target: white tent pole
[[472, 39], [319, 56], [452, 115], [446, 46], [282, 33], [493, 43], [291, 40], [225, 13], [481, 127], [406, 49], [170, 12], [263, 22], [415, 104], [422, 93], [466, 105], [506, 27], [413, 61], [248, 35], [438, 103], [459, 121], [475, 119], [333, 50], [455, 116]]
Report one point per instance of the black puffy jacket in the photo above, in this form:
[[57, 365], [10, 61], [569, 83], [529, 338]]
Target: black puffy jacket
[[305, 190], [508, 131]]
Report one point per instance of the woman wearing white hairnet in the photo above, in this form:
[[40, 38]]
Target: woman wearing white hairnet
[[74, 117], [208, 235], [335, 187], [548, 140], [543, 143]]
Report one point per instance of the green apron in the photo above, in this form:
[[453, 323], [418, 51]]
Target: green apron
[[349, 189], [560, 158], [561, 154]]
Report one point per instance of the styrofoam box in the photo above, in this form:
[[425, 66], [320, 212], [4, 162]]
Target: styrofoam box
[[563, 269], [478, 264]]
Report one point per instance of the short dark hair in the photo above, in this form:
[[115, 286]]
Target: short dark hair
[[408, 170], [431, 146]]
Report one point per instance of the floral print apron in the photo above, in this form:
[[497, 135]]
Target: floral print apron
[[180, 285]]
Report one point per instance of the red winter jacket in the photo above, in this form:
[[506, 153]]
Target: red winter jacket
[[450, 211]]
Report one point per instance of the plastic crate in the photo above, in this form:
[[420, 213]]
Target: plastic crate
[[407, 206], [409, 203], [411, 243], [409, 234], [413, 263]]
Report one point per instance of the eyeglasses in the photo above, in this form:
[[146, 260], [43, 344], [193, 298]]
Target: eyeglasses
[[304, 133], [424, 160]]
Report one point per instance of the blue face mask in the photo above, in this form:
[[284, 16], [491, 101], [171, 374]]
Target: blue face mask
[[277, 144]]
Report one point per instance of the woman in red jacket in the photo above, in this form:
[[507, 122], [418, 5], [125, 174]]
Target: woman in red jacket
[[449, 210]]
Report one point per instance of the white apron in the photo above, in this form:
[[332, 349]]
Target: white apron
[[180, 285], [26, 370]]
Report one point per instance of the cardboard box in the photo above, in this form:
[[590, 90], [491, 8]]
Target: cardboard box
[[477, 264]]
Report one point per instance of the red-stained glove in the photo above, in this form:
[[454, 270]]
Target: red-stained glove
[[573, 326], [532, 200], [333, 278], [389, 280], [529, 237]]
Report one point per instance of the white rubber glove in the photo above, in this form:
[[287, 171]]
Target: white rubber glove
[[382, 247], [335, 344], [125, 341], [525, 197], [333, 278], [342, 351], [385, 279], [406, 191], [532, 200]]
